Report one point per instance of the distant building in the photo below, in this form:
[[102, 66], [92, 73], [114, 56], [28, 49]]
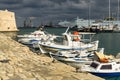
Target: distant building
[[7, 21]]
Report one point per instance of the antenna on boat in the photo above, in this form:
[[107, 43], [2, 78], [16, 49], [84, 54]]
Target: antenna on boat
[[67, 30]]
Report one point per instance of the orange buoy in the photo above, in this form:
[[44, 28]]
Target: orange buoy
[[75, 33], [104, 60]]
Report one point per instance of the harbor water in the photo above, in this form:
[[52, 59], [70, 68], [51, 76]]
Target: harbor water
[[109, 41]]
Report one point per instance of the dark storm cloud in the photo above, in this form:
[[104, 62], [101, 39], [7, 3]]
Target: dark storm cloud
[[10, 1], [56, 10], [10, 4]]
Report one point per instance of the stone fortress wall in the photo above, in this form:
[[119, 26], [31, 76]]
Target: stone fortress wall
[[7, 21]]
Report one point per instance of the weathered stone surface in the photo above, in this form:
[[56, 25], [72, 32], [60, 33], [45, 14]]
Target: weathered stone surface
[[29, 79], [17, 62], [5, 77]]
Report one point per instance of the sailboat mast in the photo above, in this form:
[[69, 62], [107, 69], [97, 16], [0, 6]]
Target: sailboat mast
[[109, 15], [89, 13], [118, 11], [118, 14], [109, 11]]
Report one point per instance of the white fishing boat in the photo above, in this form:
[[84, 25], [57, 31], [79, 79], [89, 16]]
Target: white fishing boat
[[34, 34], [71, 41], [109, 69], [38, 35], [68, 55], [106, 66], [75, 58]]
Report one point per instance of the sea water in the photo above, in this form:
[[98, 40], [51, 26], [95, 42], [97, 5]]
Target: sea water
[[109, 41]]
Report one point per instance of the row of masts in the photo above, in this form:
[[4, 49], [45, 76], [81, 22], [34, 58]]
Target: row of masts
[[110, 10], [109, 16]]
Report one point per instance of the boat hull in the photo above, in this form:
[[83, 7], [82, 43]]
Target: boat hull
[[52, 48], [113, 74], [74, 61], [63, 47]]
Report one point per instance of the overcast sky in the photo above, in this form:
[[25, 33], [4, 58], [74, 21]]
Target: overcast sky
[[45, 11]]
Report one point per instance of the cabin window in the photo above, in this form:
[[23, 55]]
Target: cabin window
[[58, 39], [106, 67], [94, 65]]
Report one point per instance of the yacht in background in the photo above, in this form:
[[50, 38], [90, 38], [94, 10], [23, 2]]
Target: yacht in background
[[97, 26]]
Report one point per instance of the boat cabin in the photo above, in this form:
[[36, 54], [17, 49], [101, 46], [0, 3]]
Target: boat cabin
[[71, 38], [105, 67]]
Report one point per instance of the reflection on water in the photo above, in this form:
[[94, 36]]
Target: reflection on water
[[112, 78], [110, 41]]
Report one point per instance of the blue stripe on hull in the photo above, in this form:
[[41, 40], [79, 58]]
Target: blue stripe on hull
[[29, 45], [115, 74]]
